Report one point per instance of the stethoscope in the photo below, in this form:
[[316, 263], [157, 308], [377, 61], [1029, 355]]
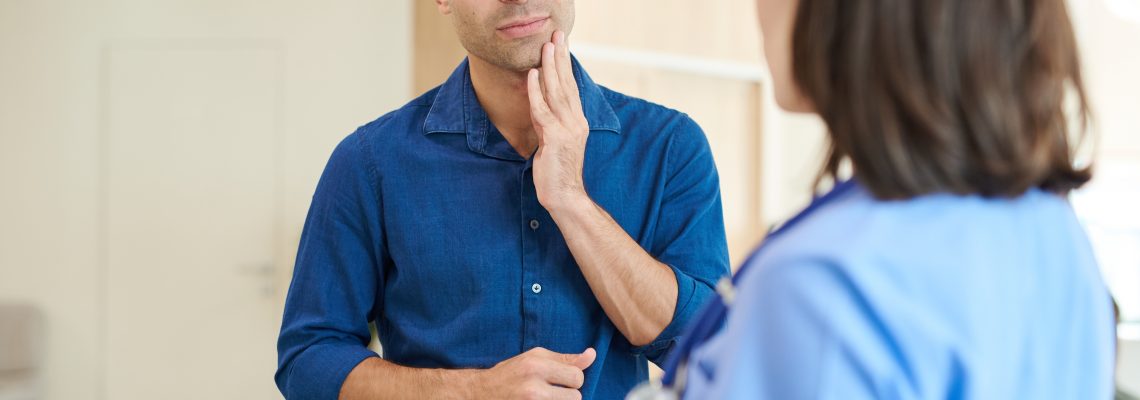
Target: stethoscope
[[712, 315]]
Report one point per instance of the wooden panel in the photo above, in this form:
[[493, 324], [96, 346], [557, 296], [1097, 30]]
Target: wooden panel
[[728, 109], [729, 112], [437, 50], [722, 29]]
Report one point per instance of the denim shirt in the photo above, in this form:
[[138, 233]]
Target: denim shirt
[[426, 222]]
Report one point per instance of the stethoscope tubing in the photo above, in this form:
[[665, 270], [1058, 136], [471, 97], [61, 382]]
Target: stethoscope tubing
[[715, 312]]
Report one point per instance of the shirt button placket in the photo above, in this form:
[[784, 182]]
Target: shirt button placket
[[530, 244]]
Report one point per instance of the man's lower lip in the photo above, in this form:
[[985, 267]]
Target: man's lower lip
[[518, 31]]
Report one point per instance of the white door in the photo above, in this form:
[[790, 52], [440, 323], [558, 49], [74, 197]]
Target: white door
[[192, 198]]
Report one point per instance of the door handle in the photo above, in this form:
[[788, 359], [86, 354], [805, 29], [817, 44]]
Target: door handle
[[265, 272]]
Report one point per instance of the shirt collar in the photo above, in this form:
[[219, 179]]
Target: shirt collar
[[457, 110]]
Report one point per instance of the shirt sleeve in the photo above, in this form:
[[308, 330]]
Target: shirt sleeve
[[796, 331], [337, 279], [689, 236]]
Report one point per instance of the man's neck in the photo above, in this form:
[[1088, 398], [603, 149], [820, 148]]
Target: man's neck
[[503, 95]]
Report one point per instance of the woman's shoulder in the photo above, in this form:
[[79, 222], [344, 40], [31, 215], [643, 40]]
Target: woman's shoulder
[[932, 241], [858, 225]]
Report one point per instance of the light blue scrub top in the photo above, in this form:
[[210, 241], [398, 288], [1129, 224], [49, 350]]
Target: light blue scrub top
[[932, 298]]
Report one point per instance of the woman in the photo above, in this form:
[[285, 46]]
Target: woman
[[950, 265]]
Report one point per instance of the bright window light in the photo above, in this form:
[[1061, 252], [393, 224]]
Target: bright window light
[[1109, 207], [1125, 9]]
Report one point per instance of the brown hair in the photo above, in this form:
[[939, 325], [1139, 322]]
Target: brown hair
[[958, 96]]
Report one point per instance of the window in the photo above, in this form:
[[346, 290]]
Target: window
[[1109, 207], [1126, 9]]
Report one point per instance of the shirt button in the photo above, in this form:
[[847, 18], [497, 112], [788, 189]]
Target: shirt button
[[534, 226], [536, 288]]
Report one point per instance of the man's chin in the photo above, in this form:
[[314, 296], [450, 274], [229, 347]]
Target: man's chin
[[524, 67], [525, 56], [519, 57], [521, 64]]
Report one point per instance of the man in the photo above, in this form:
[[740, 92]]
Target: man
[[518, 232]]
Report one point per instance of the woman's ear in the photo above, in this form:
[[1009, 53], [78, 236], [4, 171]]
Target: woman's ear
[[444, 6]]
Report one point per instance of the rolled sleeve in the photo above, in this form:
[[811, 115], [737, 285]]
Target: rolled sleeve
[[690, 236], [337, 280], [691, 295], [323, 369]]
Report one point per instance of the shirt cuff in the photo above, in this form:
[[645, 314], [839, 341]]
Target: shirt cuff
[[691, 295], [320, 370]]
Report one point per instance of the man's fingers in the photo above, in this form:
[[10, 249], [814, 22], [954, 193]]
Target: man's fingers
[[566, 394], [550, 79], [542, 352], [564, 375], [565, 65], [539, 110], [565, 358]]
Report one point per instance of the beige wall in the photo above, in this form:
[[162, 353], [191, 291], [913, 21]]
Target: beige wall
[[342, 63]]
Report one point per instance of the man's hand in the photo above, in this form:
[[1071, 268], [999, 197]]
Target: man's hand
[[556, 111], [637, 292], [536, 374]]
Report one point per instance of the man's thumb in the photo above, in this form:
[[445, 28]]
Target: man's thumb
[[586, 358]]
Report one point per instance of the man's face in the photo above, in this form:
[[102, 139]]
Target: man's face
[[508, 34]]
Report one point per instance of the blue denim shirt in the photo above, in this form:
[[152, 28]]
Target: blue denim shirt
[[426, 222]]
